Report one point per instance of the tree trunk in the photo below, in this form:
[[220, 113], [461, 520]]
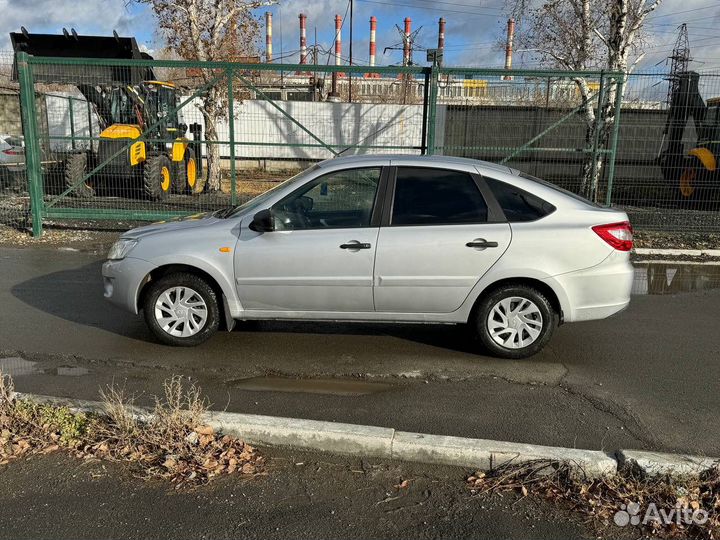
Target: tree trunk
[[213, 154], [214, 112]]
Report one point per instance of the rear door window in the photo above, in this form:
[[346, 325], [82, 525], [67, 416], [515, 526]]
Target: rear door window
[[426, 196], [517, 204]]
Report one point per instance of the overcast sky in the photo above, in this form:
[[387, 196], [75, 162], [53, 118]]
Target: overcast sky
[[473, 26]]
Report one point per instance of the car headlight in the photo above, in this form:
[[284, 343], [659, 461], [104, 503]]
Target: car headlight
[[121, 248]]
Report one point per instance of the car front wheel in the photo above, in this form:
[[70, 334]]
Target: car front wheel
[[515, 321], [181, 309]]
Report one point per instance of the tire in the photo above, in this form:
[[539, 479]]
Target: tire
[[192, 289], [185, 173], [157, 177], [506, 343], [75, 169]]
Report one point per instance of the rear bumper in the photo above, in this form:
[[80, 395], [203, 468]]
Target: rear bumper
[[597, 292], [122, 281]]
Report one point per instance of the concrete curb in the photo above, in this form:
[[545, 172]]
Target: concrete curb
[[380, 442], [679, 252], [676, 465]]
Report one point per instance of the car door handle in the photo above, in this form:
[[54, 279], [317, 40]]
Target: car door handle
[[481, 243], [354, 244]]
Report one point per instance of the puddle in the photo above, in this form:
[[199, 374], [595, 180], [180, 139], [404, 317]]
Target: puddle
[[336, 387], [70, 371], [671, 278], [17, 367]]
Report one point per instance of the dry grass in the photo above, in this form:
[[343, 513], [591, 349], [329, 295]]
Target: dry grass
[[172, 443], [599, 499]]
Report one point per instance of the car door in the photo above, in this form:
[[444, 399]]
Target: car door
[[438, 239], [321, 253]]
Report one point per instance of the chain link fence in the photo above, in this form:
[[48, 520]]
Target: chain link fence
[[122, 141]]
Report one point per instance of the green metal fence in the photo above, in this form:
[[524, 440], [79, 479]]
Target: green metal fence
[[271, 120]]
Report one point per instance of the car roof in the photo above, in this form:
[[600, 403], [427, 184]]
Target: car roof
[[421, 160]]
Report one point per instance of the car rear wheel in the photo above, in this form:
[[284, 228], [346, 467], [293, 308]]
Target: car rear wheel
[[514, 321], [181, 310]]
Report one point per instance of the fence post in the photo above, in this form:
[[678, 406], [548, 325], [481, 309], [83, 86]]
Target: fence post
[[432, 108], [620, 82], [33, 161], [231, 127], [426, 103], [596, 136]]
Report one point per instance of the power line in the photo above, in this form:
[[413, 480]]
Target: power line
[[461, 5], [466, 13], [673, 13]]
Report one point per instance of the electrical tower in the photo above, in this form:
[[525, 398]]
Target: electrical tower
[[679, 61]]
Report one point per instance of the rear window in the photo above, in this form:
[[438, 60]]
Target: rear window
[[517, 204], [14, 141], [557, 188]]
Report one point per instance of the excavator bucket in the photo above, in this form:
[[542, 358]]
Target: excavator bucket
[[72, 45]]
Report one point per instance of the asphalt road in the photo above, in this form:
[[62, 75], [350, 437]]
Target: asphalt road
[[57, 497], [648, 378]]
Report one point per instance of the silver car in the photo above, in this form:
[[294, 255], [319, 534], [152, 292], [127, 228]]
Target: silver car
[[384, 238]]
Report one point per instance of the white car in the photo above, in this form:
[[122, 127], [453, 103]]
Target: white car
[[12, 153], [384, 238]]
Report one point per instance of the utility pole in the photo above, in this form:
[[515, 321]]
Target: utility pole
[[350, 74]]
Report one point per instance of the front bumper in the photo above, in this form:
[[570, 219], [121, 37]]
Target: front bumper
[[122, 281]]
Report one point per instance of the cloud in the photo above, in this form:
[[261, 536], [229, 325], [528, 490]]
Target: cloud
[[87, 17]]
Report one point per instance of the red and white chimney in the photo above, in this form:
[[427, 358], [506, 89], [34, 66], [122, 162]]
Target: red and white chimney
[[441, 40], [373, 48], [509, 47], [338, 42], [303, 38], [406, 41], [373, 29], [268, 37]]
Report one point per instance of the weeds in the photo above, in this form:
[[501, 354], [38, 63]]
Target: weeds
[[600, 499], [172, 442]]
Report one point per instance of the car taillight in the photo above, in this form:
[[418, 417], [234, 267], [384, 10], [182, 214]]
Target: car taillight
[[618, 235], [11, 152]]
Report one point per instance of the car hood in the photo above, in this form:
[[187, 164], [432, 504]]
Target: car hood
[[185, 222]]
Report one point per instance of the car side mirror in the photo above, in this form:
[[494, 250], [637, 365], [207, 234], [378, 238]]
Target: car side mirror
[[262, 222]]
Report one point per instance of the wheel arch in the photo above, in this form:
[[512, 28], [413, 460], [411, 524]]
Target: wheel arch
[[541, 285], [167, 269]]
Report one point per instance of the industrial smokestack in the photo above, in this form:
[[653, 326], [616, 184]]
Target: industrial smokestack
[[441, 40], [268, 37], [338, 40], [406, 41], [373, 48], [508, 47], [303, 38], [373, 29]]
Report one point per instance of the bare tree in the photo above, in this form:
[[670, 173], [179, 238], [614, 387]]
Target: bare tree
[[582, 35], [210, 30]]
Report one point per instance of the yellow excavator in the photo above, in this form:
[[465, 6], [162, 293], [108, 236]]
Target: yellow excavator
[[129, 103]]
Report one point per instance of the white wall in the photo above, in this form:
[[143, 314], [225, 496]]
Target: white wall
[[260, 123]]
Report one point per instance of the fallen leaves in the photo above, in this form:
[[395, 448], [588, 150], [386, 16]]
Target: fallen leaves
[[171, 444], [599, 499]]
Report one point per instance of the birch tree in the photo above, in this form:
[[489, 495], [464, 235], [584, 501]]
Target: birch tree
[[210, 30], [580, 35]]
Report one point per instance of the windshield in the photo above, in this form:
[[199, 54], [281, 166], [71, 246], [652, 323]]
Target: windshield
[[260, 199]]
